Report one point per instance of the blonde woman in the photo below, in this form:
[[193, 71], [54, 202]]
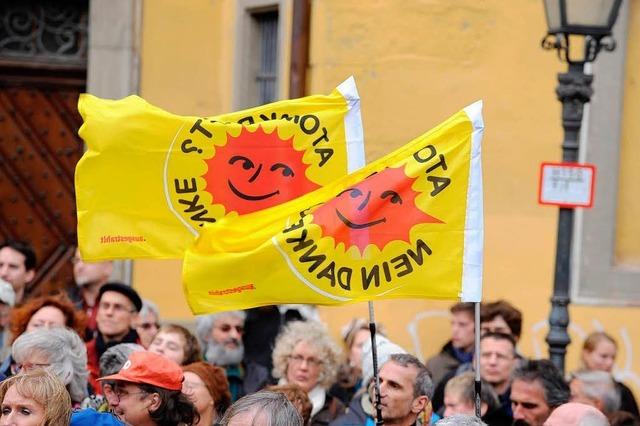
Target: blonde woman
[[599, 352], [35, 397], [305, 355]]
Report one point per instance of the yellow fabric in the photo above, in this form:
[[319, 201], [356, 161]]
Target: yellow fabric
[[150, 179], [406, 226]]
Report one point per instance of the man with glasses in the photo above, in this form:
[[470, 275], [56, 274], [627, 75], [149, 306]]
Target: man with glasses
[[148, 391], [221, 339], [118, 306]]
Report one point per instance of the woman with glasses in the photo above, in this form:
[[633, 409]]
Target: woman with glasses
[[208, 389], [148, 322], [176, 343], [35, 397], [305, 355], [42, 312], [58, 350]]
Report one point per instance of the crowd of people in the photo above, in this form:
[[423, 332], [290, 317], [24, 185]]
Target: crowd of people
[[100, 355]]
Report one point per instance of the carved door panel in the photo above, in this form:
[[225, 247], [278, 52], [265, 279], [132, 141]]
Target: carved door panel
[[43, 56], [39, 147]]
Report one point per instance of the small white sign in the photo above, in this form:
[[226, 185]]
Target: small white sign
[[567, 184]]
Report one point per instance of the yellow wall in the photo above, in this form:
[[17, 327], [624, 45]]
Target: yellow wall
[[415, 63], [628, 231]]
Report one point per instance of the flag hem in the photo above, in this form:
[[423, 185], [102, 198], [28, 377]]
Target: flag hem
[[354, 134], [474, 223]]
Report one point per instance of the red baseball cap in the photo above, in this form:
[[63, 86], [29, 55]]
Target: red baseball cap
[[151, 369]]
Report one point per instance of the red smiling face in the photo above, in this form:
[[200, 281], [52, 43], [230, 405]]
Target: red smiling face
[[256, 170], [378, 210]]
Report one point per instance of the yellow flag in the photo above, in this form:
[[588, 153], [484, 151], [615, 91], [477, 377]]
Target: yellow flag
[[150, 180], [409, 225]]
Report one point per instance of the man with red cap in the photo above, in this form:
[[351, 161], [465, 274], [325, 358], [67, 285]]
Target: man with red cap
[[147, 392]]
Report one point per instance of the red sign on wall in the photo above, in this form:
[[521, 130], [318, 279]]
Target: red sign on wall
[[566, 184]]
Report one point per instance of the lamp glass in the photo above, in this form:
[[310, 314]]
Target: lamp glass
[[589, 13], [552, 9]]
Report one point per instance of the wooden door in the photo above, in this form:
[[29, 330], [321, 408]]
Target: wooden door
[[43, 51]]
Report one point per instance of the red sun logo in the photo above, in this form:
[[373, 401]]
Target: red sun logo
[[378, 210], [256, 170]]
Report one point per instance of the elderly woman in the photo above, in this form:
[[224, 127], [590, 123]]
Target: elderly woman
[[59, 350], [148, 322], [34, 398], [176, 343], [208, 389], [305, 355], [42, 312], [599, 352]]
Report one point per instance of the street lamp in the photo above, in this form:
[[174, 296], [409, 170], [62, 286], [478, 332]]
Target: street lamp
[[589, 23]]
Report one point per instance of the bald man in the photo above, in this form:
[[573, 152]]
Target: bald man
[[576, 414]]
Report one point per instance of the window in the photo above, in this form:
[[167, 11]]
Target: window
[[258, 62]]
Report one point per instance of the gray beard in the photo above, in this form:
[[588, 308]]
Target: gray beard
[[218, 354]]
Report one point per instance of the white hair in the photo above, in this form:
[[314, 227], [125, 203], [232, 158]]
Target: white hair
[[599, 385], [65, 351], [460, 420], [204, 323], [149, 307]]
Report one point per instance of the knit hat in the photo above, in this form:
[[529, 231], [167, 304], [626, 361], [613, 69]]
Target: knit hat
[[123, 289], [151, 369], [7, 295], [215, 379], [385, 348]]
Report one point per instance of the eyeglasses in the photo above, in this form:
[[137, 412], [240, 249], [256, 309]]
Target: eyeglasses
[[149, 325], [117, 308], [119, 393], [28, 366], [225, 328], [299, 359]]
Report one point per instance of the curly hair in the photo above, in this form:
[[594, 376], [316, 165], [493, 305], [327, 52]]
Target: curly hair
[[314, 334], [20, 316], [46, 389]]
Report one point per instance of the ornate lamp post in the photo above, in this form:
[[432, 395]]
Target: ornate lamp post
[[589, 23]]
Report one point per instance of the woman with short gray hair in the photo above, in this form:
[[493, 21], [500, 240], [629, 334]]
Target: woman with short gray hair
[[59, 350]]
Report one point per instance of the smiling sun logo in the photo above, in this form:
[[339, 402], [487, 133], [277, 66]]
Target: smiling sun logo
[[256, 170], [380, 209]]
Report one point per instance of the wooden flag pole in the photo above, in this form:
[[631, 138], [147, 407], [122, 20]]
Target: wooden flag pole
[[478, 382], [374, 355]]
